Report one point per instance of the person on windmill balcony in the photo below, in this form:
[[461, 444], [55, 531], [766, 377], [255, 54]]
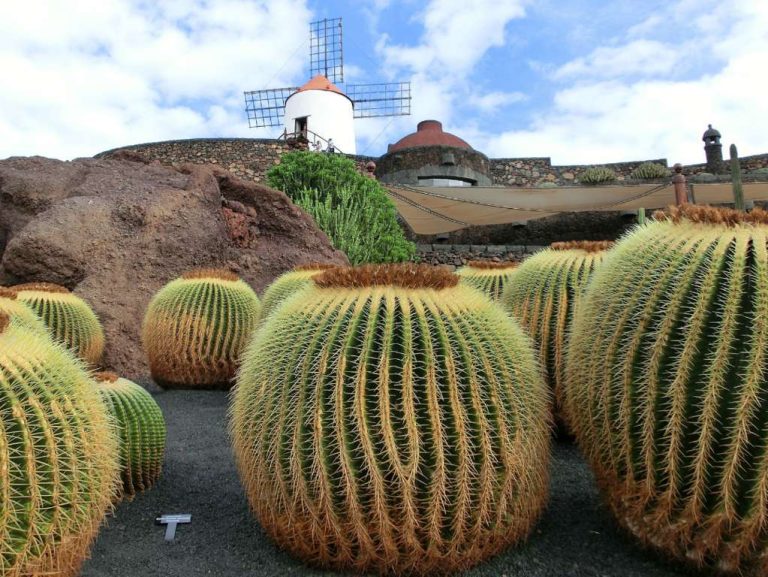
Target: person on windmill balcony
[[331, 148]]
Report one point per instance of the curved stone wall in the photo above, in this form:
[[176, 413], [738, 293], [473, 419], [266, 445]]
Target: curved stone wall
[[409, 165]]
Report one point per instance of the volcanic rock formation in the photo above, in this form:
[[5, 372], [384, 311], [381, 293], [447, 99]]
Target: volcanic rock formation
[[115, 231]]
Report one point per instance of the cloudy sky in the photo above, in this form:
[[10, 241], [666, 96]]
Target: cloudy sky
[[580, 81]]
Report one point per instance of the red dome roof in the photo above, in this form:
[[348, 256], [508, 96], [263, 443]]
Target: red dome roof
[[320, 82], [429, 133]]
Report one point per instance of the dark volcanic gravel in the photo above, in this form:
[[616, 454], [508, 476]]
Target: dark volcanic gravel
[[575, 538]]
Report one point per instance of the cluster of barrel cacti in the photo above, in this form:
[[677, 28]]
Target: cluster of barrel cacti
[[488, 276]]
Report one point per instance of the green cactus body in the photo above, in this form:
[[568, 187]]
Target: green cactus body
[[287, 284], [10, 305], [196, 327], [390, 419], [597, 175], [140, 431], [650, 170], [667, 389], [490, 277], [57, 456], [68, 317], [543, 296]]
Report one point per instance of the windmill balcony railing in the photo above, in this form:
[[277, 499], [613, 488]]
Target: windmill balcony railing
[[308, 139]]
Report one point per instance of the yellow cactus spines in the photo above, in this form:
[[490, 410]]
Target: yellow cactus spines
[[196, 327], [69, 318], [287, 284], [543, 296], [57, 456], [13, 307], [140, 431], [667, 388], [488, 276], [389, 419]]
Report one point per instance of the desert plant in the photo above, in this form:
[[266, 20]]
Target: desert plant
[[196, 327], [649, 171], [10, 305], [597, 175], [57, 455], [287, 284], [140, 429], [354, 210], [388, 418], [69, 318], [666, 385], [488, 276], [543, 296]]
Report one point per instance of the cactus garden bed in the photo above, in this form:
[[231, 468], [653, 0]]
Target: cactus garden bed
[[576, 536]]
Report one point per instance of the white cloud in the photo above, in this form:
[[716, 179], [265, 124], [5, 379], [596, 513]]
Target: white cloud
[[492, 101], [90, 75], [640, 58]]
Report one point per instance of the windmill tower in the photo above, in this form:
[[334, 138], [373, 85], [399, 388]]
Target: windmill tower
[[320, 111]]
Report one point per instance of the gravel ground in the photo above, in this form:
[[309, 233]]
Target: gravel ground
[[575, 538]]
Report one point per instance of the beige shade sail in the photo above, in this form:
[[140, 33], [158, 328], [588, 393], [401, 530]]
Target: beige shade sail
[[435, 210]]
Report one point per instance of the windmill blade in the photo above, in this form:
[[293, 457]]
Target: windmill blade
[[266, 107], [384, 99], [326, 49]]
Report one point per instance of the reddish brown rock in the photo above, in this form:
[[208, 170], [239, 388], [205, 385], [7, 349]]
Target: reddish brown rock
[[115, 231]]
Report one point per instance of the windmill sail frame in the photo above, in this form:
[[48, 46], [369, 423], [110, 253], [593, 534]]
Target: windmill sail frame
[[326, 49], [267, 107], [380, 99]]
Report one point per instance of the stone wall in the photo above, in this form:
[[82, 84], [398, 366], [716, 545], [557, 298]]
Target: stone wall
[[537, 171], [748, 164], [456, 255]]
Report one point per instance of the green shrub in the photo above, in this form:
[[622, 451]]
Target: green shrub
[[650, 170], [365, 227], [597, 175]]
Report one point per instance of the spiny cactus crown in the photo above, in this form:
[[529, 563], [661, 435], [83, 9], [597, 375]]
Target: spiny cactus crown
[[585, 245], [706, 214], [415, 276], [210, 273]]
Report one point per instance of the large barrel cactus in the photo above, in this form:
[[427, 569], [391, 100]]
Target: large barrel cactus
[[388, 419], [140, 431], [667, 388], [13, 307], [287, 284], [70, 319], [196, 327], [57, 456], [543, 296], [488, 276]]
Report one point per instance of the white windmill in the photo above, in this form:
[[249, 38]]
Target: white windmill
[[319, 111]]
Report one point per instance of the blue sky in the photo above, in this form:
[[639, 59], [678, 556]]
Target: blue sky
[[580, 81]]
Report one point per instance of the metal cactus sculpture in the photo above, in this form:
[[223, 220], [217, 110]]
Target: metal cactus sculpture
[[69, 318], [667, 389], [488, 276], [390, 419], [543, 296], [13, 307], [287, 284], [57, 456], [140, 431], [196, 327]]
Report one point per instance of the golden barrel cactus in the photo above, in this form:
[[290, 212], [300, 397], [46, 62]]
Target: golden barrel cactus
[[667, 387], [287, 284], [13, 307], [140, 431], [196, 327], [543, 296], [389, 419], [69, 318], [57, 456], [489, 276]]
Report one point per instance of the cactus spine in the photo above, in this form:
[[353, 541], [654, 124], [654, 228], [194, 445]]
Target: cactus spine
[[667, 389], [543, 296], [287, 284], [389, 419], [140, 431], [488, 276], [196, 327], [10, 305], [68, 317], [57, 456]]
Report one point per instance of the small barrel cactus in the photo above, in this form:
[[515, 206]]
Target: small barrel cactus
[[488, 276], [10, 305], [69, 318], [597, 175], [649, 171], [140, 431], [544, 295], [196, 327], [389, 419], [287, 284], [667, 389], [57, 455]]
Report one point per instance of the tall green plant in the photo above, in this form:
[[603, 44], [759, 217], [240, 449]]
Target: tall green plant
[[352, 209]]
